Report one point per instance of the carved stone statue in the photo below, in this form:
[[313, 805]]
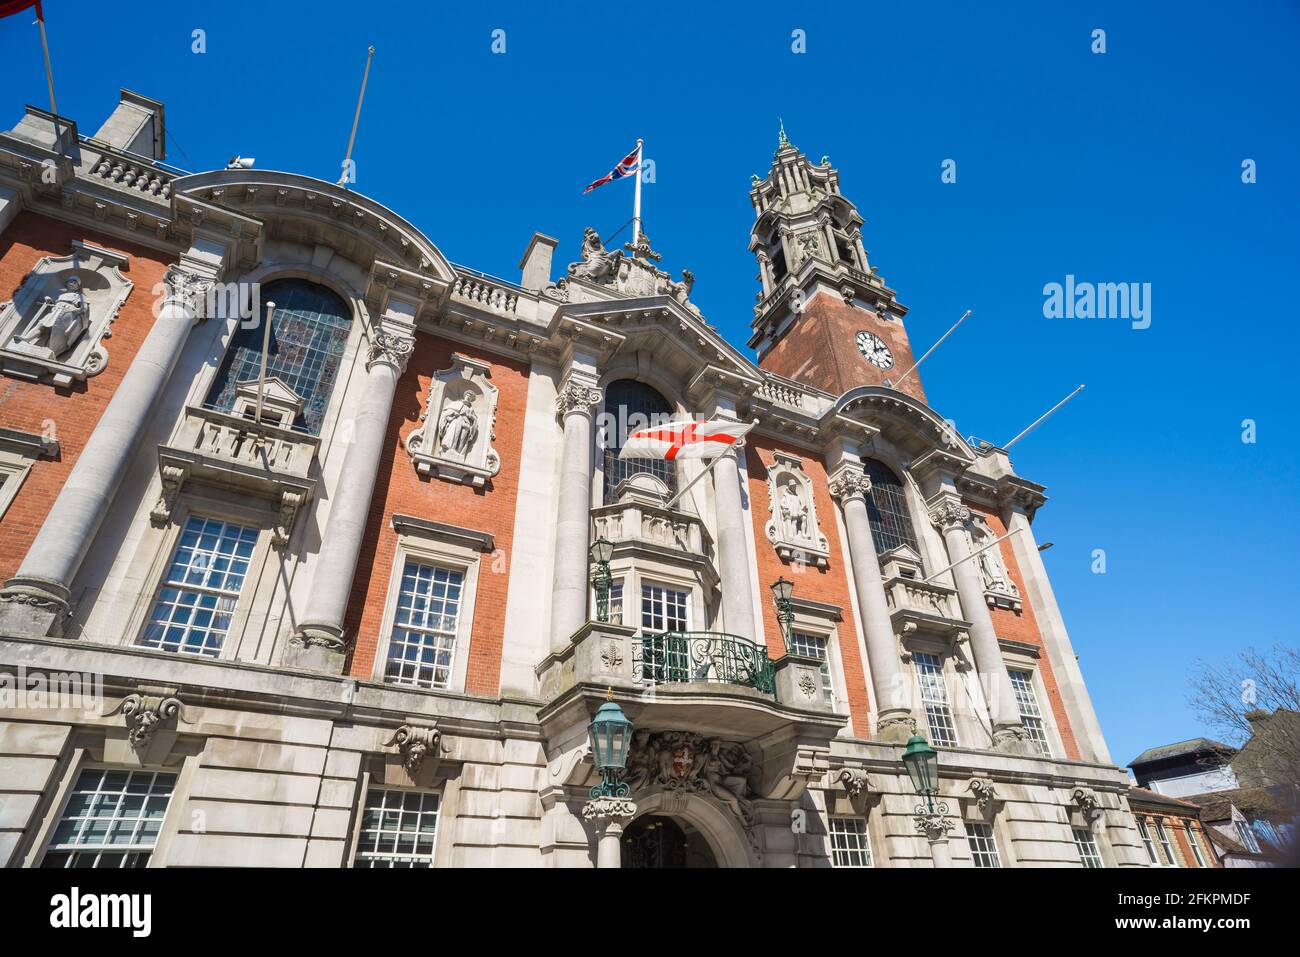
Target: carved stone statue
[[727, 769], [458, 427], [793, 511], [598, 263], [60, 322]]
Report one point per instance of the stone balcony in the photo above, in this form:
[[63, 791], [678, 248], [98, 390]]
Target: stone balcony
[[916, 604], [229, 451], [640, 523]]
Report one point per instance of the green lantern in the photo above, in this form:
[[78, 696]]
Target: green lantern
[[922, 763], [611, 737], [602, 550]]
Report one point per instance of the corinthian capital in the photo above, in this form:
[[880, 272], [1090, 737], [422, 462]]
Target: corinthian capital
[[949, 514], [187, 289], [577, 397], [848, 482], [391, 348]]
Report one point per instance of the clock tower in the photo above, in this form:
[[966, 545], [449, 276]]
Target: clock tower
[[824, 317]]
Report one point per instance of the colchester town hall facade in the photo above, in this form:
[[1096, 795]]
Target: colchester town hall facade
[[348, 617]]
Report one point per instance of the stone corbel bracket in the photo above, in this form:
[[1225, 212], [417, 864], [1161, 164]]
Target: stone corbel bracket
[[1087, 801], [984, 792], [415, 743], [145, 714], [857, 785]]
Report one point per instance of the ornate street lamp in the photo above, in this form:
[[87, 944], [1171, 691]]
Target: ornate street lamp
[[611, 736], [609, 808], [782, 591], [602, 550], [922, 763], [931, 818]]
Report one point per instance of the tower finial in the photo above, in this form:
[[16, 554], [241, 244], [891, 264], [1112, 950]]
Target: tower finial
[[782, 141]]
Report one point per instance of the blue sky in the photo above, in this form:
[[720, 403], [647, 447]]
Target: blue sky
[[1121, 167]]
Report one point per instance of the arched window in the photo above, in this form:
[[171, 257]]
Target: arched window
[[309, 329], [632, 405], [891, 523]]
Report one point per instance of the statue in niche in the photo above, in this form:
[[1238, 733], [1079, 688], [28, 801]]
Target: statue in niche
[[60, 322], [458, 426], [598, 263], [793, 511]]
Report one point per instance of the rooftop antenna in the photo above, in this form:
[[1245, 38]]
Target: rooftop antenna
[[352, 138]]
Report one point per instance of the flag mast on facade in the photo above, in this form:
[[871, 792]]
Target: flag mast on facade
[[10, 7], [629, 164]]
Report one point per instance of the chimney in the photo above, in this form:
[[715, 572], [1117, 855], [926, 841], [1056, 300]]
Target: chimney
[[136, 126], [536, 263]]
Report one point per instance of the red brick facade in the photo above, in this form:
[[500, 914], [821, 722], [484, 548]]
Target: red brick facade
[[66, 415], [820, 349], [400, 490], [829, 585]]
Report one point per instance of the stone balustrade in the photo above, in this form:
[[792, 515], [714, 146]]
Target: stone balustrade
[[485, 292], [134, 175], [637, 521]]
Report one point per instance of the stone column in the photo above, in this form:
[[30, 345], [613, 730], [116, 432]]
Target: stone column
[[576, 405], [610, 816], [891, 689], [733, 558], [36, 600], [319, 643], [1056, 640], [950, 517]]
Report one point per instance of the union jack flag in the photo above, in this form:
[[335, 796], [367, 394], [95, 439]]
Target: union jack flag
[[626, 167]]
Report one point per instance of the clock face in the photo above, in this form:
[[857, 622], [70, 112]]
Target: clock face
[[875, 351]]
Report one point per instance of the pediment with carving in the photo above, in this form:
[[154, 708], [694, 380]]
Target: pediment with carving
[[454, 440], [54, 328]]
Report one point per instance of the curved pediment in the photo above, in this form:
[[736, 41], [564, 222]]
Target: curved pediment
[[311, 211], [908, 423]]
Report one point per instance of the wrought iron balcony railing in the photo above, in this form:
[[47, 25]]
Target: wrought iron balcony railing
[[674, 657]]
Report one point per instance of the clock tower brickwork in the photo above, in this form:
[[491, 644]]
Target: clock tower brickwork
[[819, 293]]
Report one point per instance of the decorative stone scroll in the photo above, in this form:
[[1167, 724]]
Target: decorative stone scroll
[[793, 528], [454, 443], [54, 328], [145, 714], [1086, 800]]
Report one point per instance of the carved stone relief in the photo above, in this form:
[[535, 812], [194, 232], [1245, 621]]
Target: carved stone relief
[[793, 528], [53, 329], [999, 590], [454, 442], [631, 273], [688, 762]]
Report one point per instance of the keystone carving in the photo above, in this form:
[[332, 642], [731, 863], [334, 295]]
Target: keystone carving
[[855, 782], [415, 743], [1086, 800], [984, 791], [144, 713]]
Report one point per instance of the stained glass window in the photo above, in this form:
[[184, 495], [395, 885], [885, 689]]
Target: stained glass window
[[309, 330], [632, 405], [891, 523]]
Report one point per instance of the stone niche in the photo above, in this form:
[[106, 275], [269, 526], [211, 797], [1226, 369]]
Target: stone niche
[[999, 590], [454, 440], [793, 528], [54, 328]]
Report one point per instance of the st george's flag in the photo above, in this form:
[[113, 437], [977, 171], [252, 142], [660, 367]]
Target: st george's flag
[[626, 167], [684, 440]]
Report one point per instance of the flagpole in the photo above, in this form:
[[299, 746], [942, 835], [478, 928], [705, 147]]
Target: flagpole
[[703, 472], [1042, 418], [49, 74], [636, 202], [352, 137]]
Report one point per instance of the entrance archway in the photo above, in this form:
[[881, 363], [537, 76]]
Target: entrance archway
[[654, 841], [718, 831]]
